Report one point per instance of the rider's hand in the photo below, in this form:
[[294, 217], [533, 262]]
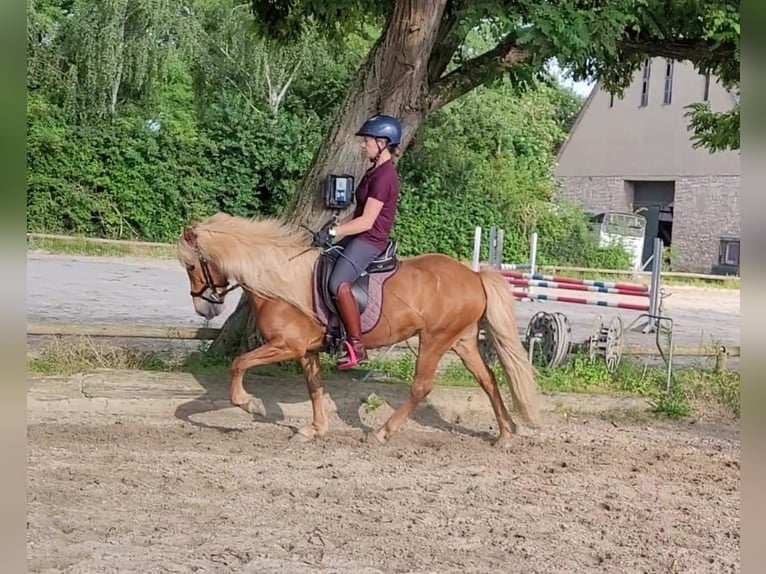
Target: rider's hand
[[321, 238]]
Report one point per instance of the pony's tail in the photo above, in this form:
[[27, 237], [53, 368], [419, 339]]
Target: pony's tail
[[500, 319]]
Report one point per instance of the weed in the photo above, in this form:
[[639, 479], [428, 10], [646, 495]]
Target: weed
[[372, 402], [86, 246], [692, 387]]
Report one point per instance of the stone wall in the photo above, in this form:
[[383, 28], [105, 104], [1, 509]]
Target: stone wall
[[606, 193], [705, 208]]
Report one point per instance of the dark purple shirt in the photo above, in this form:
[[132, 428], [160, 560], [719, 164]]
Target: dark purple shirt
[[382, 183]]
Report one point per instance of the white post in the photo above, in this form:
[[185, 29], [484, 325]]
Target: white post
[[476, 248], [492, 245], [499, 249], [654, 287], [532, 257]]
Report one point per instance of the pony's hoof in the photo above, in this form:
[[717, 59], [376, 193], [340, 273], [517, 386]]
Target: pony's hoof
[[257, 408], [252, 407], [377, 438], [301, 437], [504, 443]]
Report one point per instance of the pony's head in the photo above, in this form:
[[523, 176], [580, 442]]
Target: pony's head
[[208, 284], [270, 258]]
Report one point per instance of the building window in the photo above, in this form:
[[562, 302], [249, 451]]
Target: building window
[[645, 85], [668, 82], [706, 94], [728, 253]]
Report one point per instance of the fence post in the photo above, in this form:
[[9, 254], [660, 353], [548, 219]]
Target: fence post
[[532, 258], [476, 248], [492, 245], [654, 287], [499, 249]]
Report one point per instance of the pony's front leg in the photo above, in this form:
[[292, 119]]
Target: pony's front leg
[[319, 425], [274, 351]]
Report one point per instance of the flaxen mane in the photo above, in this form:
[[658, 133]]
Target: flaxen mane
[[264, 255]]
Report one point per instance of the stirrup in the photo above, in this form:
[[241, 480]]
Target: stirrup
[[351, 359]]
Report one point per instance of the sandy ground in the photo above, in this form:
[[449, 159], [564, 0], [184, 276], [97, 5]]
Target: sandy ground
[[153, 472]]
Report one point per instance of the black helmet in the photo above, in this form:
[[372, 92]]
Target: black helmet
[[387, 127]]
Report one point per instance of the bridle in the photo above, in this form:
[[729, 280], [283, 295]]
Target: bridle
[[215, 297]]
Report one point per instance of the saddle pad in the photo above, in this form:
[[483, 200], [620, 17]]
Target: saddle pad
[[372, 312]]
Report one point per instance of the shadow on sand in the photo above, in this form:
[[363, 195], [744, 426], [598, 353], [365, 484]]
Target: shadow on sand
[[285, 401]]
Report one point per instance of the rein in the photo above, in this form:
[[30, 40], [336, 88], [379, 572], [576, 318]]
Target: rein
[[215, 297]]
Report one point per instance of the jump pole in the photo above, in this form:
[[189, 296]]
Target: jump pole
[[577, 287], [581, 301], [633, 287]]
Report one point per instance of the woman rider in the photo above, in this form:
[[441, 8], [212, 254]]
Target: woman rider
[[367, 233]]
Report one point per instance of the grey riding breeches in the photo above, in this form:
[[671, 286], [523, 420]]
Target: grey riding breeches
[[357, 255]]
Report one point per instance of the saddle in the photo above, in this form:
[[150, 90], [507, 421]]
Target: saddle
[[386, 262]]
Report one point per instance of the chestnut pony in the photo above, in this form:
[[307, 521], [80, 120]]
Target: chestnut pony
[[434, 296]]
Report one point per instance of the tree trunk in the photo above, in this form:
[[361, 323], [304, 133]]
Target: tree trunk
[[238, 333], [394, 79]]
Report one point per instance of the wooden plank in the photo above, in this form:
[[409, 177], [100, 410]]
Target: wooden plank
[[126, 242], [122, 330], [685, 350], [638, 274]]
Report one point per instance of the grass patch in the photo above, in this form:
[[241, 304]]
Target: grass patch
[[728, 283], [84, 354], [694, 390], [86, 246]]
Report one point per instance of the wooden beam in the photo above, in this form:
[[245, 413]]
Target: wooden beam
[[126, 242], [685, 350], [126, 330], [636, 274]]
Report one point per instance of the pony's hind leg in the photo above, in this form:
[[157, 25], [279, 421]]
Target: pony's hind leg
[[429, 354], [319, 425], [467, 349], [272, 352]]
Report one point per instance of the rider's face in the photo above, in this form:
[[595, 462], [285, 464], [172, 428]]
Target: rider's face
[[370, 147]]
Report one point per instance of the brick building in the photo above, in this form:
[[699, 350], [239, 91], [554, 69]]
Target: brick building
[[635, 154]]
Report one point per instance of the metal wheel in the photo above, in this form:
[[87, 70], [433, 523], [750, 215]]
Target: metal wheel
[[613, 344], [593, 340], [486, 350], [547, 338]]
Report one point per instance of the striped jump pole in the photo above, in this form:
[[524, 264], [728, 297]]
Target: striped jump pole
[[576, 287], [579, 300], [632, 287]]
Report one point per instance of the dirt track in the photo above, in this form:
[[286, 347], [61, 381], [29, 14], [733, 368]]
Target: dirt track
[[140, 472]]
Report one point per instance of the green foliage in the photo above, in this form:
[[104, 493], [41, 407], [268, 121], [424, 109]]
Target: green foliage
[[488, 159], [208, 139], [210, 117], [116, 180], [286, 21], [714, 131], [597, 39]]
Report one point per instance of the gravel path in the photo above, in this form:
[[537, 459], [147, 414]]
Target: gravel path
[[155, 292]]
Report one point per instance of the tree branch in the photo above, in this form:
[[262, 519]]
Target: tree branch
[[678, 49], [447, 41], [476, 71]]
